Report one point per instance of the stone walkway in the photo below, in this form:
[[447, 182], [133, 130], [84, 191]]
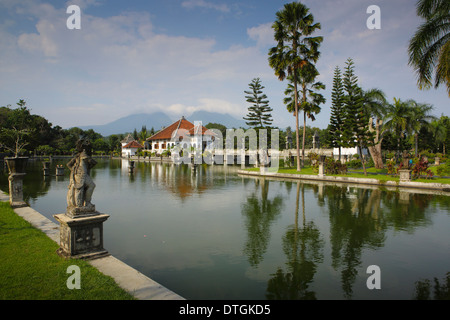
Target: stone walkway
[[131, 280]]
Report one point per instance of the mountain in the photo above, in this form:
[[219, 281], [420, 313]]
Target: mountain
[[213, 117], [157, 120], [126, 124]]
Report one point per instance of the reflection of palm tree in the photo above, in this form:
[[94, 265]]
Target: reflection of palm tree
[[440, 292], [260, 213], [302, 246], [354, 225]]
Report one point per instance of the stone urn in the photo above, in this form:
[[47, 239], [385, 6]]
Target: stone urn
[[16, 164]]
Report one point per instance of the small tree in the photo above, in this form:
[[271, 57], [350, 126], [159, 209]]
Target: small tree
[[14, 139], [258, 115]]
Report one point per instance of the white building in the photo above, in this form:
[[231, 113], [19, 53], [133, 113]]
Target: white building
[[182, 133], [131, 149]]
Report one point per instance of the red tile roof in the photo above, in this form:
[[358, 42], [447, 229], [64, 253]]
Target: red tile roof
[[133, 144], [166, 133]]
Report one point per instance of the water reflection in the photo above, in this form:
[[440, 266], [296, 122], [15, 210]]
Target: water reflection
[[302, 245], [440, 291], [275, 239], [259, 213]]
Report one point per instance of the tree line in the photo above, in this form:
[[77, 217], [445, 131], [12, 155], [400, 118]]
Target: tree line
[[40, 137], [359, 118]]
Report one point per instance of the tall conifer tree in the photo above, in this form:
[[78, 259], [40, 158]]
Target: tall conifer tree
[[356, 131], [259, 114], [337, 117]]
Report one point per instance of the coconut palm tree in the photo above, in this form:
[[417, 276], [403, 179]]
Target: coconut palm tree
[[429, 49], [374, 101], [398, 115], [420, 117], [311, 100], [439, 130], [295, 48]]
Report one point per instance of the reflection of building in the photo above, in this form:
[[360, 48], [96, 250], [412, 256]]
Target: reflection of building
[[182, 133]]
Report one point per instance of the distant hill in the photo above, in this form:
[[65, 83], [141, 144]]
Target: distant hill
[[126, 124], [157, 120]]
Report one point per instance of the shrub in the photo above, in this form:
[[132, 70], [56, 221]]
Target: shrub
[[335, 167], [420, 168], [354, 164], [314, 161], [443, 169]]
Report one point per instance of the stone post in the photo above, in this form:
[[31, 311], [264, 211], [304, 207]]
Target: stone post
[[16, 167], [46, 168], [16, 190], [322, 166], [437, 161], [81, 230], [59, 171], [405, 175]]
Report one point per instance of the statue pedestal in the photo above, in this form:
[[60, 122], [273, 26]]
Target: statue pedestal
[[405, 175], [81, 237], [16, 190], [321, 166]]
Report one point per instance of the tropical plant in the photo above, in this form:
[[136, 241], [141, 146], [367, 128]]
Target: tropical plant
[[398, 116], [295, 49], [336, 126], [440, 130], [419, 117], [14, 140], [311, 100], [259, 112], [429, 49], [374, 101], [356, 131]]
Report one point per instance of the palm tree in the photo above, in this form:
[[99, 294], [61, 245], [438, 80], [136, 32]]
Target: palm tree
[[374, 101], [398, 116], [295, 48], [420, 117], [311, 100], [429, 48], [439, 130]]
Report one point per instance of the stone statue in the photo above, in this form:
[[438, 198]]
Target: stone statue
[[81, 185]]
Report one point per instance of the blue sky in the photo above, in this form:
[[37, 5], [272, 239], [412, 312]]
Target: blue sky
[[180, 56]]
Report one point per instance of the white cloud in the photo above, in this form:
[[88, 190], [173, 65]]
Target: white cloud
[[262, 34], [205, 4], [117, 65]]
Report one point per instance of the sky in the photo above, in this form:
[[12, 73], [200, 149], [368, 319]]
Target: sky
[[181, 56]]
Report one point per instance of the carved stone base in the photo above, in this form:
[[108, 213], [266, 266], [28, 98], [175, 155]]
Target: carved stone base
[[405, 175], [16, 190], [82, 237], [81, 212]]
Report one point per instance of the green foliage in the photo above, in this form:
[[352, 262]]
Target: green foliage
[[259, 112], [335, 166], [20, 128], [390, 164], [336, 126], [443, 169], [314, 161], [421, 168], [354, 164]]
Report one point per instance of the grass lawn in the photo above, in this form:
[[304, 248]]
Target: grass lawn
[[379, 174], [30, 269]]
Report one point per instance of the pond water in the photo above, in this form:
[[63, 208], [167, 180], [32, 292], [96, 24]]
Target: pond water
[[218, 235]]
